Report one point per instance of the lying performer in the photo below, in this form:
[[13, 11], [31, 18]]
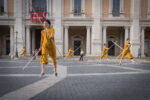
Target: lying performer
[[126, 51], [48, 47], [69, 53], [23, 52], [104, 52]]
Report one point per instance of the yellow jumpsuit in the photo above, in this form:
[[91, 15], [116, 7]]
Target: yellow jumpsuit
[[23, 52], [69, 53], [104, 53], [126, 51], [48, 46]]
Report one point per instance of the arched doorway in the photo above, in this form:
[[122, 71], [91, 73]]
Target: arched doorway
[[77, 41], [111, 46], [7, 37]]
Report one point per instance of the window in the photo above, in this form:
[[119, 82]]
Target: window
[[39, 5], [77, 6], [116, 8], [1, 7]]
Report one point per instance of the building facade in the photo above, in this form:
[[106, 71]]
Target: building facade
[[78, 23]]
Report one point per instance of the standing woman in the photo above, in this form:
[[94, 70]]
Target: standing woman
[[48, 47]]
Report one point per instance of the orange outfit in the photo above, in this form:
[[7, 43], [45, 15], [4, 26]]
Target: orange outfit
[[69, 53], [23, 52], [48, 47], [104, 53], [126, 51]]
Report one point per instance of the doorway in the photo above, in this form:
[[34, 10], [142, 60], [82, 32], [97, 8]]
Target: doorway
[[77, 47], [7, 47], [111, 51]]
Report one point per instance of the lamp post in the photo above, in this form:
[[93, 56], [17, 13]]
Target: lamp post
[[16, 44]]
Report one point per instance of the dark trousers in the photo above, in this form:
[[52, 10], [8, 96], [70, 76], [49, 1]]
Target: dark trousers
[[139, 55], [81, 57]]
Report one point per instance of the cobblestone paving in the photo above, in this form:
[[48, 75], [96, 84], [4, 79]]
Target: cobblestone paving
[[87, 80]]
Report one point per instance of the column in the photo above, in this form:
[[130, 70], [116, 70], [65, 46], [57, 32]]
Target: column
[[88, 40], [5, 7], [11, 42], [96, 28], [28, 41], [135, 27], [143, 41], [121, 38], [83, 7], [121, 6], [49, 7], [148, 11], [104, 34], [23, 36], [126, 34], [66, 39], [18, 8], [110, 7], [58, 26], [71, 8]]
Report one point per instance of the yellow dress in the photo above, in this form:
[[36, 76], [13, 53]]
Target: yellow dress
[[69, 53], [23, 52], [104, 53], [126, 51], [48, 46]]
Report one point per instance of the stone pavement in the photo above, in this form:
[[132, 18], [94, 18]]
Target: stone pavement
[[87, 80]]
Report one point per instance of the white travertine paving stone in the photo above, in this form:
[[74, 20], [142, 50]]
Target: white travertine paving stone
[[31, 90], [102, 74], [125, 67]]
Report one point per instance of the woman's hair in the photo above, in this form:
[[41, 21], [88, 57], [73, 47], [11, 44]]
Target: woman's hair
[[48, 21], [128, 39]]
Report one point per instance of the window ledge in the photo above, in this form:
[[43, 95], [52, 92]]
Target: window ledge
[[121, 15], [4, 14], [148, 15]]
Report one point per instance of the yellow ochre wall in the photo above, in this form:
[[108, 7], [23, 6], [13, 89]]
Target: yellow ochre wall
[[127, 8], [144, 8], [10, 7], [66, 8], [88, 8], [105, 8]]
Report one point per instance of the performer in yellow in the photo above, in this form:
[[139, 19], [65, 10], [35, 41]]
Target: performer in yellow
[[23, 52], [69, 53], [126, 51], [104, 52], [48, 47]]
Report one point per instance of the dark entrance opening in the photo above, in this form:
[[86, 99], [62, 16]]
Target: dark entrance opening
[[77, 49], [37, 38], [7, 47], [112, 49]]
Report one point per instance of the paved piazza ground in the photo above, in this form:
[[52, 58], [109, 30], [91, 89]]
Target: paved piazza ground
[[87, 80]]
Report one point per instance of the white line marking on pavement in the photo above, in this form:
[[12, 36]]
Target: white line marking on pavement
[[115, 66], [32, 90], [125, 67], [102, 74], [27, 68], [21, 75]]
